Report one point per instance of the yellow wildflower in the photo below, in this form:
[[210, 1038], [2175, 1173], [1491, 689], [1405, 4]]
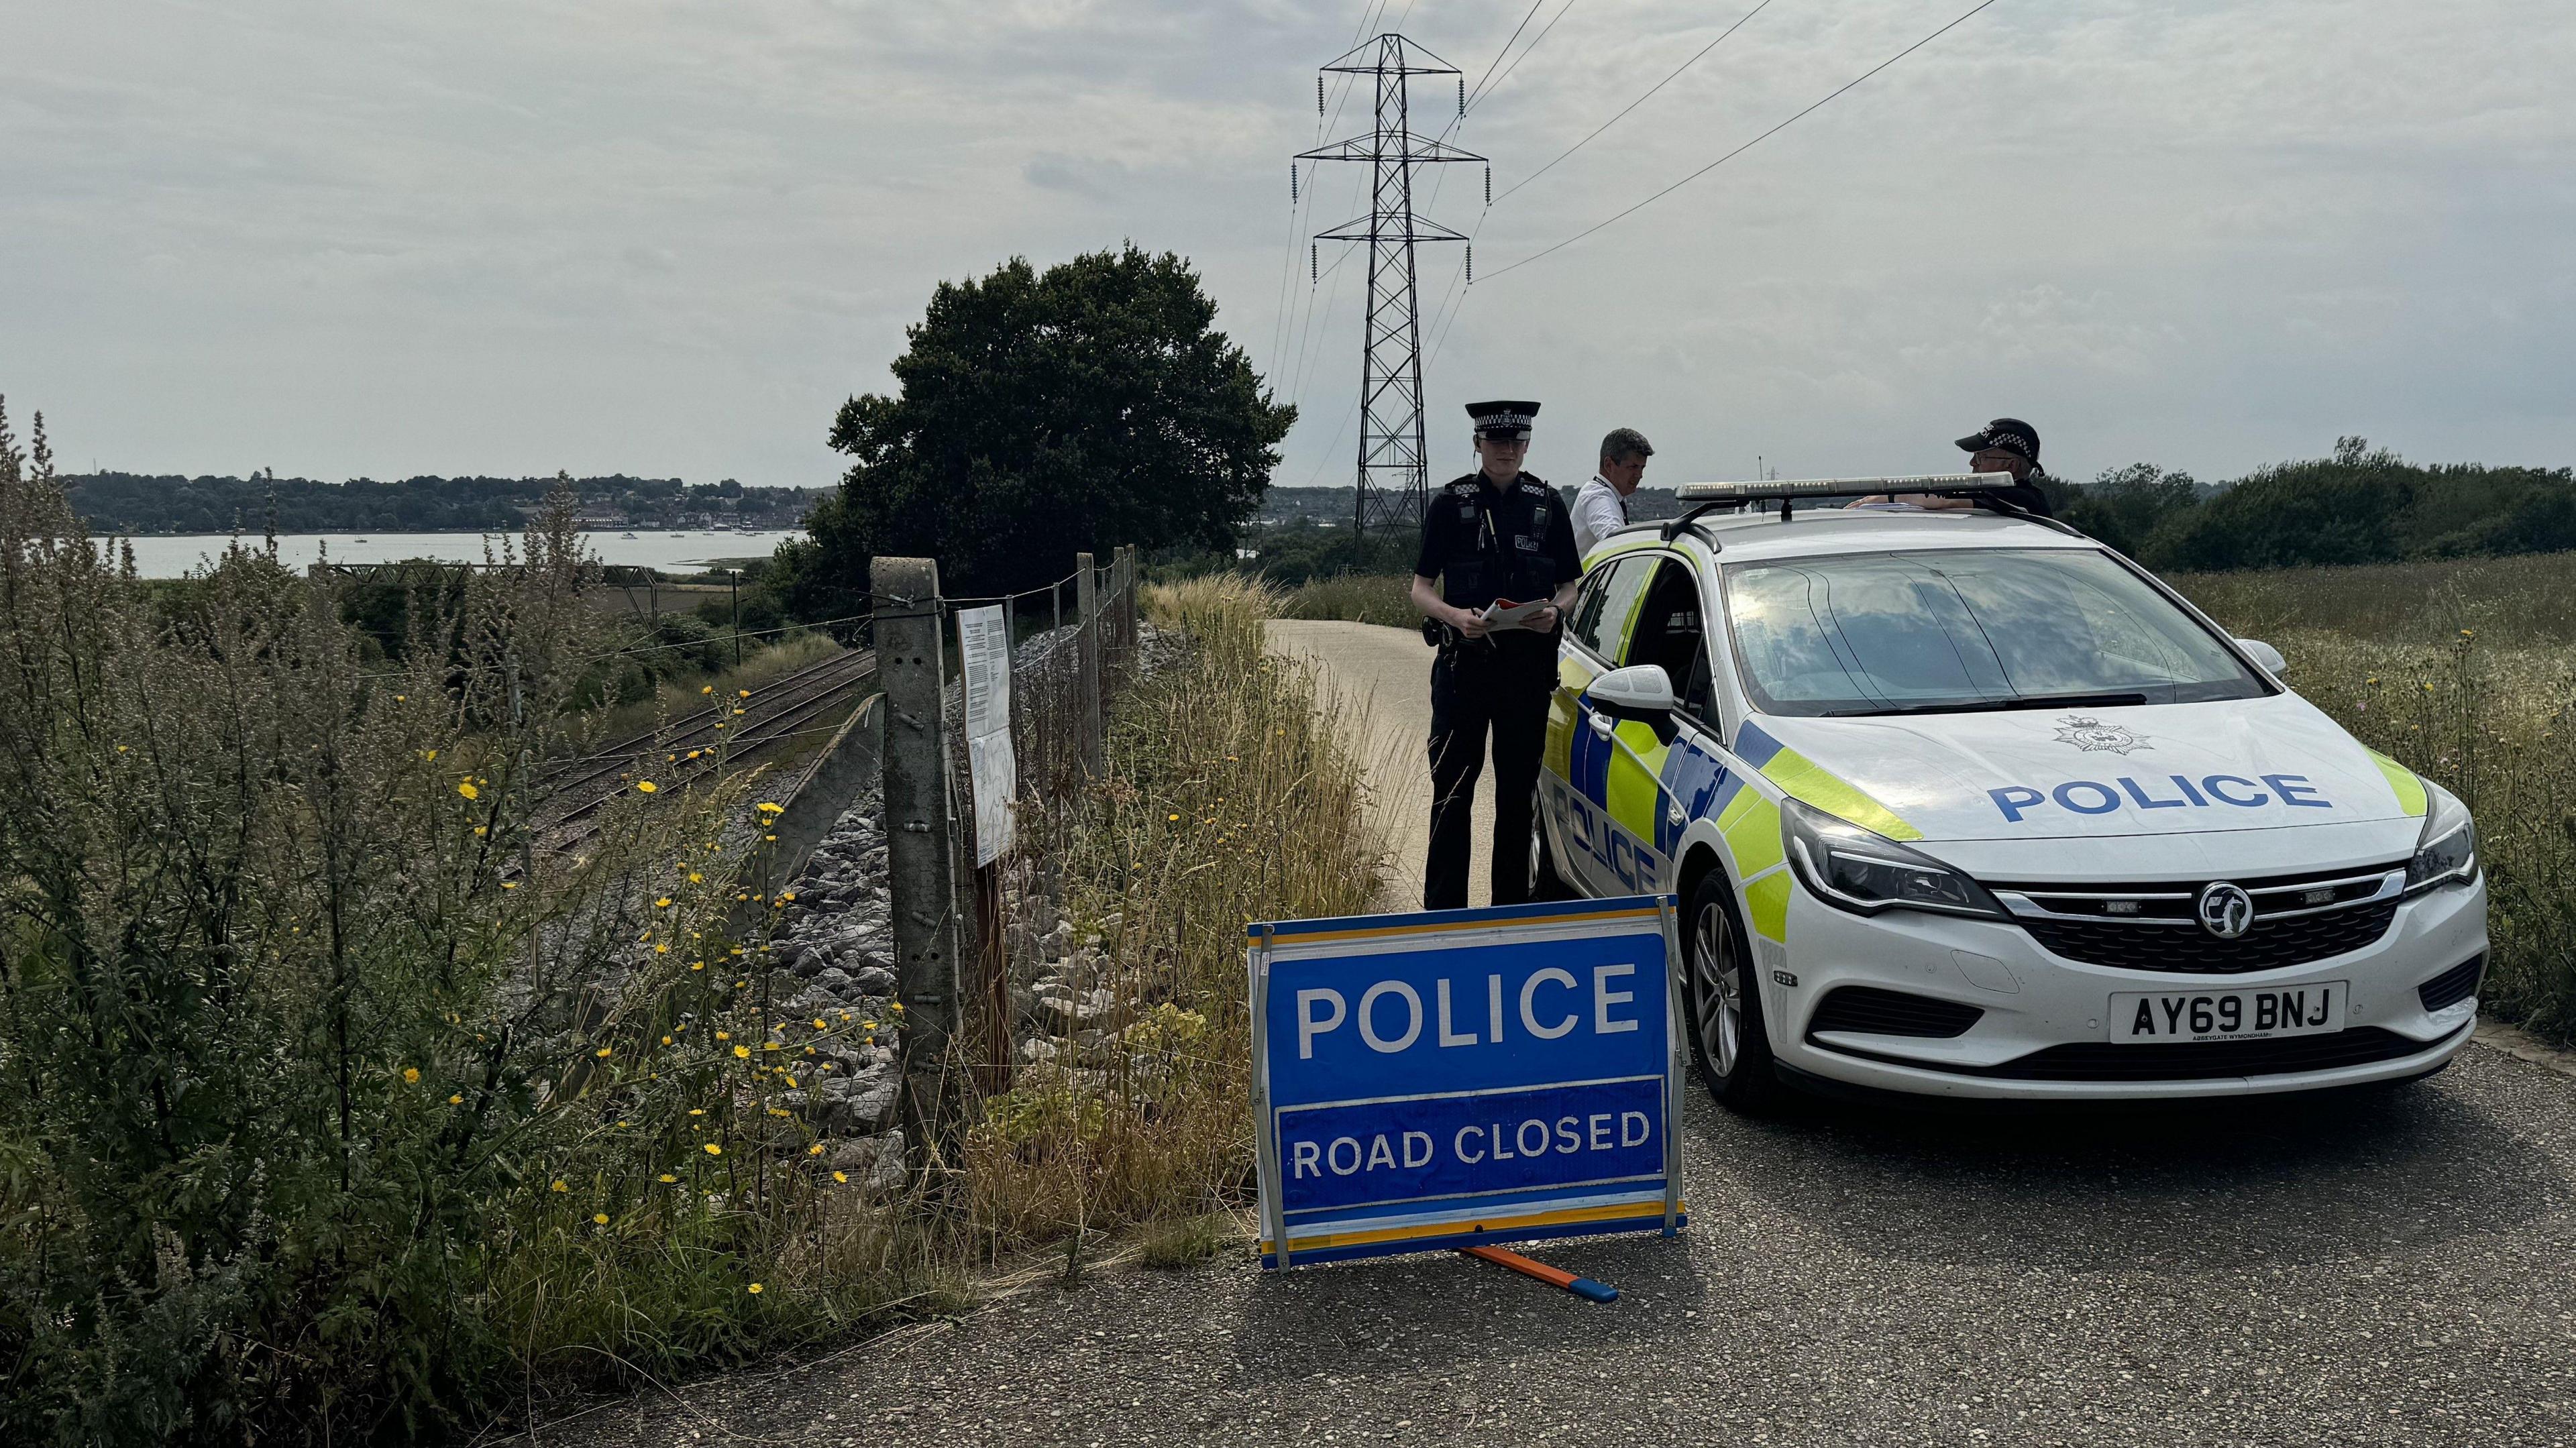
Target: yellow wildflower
[[815, 1150], [695, 877], [666, 1176], [724, 1035], [559, 1186], [646, 786], [662, 949], [663, 903], [707, 689], [603, 1051], [742, 1053], [455, 1100], [600, 1217], [714, 1150], [411, 1073], [755, 1289], [429, 754], [840, 1176], [468, 790], [767, 808]]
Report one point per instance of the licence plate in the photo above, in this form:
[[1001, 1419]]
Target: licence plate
[[2228, 1015]]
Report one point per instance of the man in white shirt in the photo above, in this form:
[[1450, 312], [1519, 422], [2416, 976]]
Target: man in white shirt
[[1601, 508]]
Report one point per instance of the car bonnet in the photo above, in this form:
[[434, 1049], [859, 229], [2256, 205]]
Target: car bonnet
[[2248, 764]]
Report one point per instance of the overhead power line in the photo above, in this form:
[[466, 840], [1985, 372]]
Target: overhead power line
[[1639, 101], [1747, 146], [1479, 97], [1479, 91]]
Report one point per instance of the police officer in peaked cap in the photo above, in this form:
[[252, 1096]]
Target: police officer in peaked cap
[[1496, 535]]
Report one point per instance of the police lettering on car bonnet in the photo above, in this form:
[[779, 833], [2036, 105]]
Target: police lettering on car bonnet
[[1495, 536]]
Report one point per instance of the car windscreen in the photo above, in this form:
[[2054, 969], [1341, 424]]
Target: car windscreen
[[1939, 631]]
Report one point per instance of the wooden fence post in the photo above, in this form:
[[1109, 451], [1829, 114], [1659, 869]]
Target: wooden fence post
[[1127, 605], [1086, 586], [920, 836]]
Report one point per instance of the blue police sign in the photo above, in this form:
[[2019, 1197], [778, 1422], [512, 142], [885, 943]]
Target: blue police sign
[[1442, 1079]]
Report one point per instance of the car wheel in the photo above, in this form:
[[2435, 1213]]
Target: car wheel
[[1727, 1035], [1547, 882]]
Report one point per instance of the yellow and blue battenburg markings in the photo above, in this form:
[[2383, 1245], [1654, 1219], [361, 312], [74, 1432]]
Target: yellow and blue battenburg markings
[[1449, 1078]]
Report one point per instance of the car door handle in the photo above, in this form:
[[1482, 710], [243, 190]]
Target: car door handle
[[1673, 812]]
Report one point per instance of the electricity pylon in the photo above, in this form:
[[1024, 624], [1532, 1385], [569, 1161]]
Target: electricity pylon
[[1393, 484]]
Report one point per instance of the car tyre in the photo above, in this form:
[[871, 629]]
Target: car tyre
[[1728, 1038], [1546, 881]]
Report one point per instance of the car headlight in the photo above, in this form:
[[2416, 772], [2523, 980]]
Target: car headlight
[[1867, 872], [2447, 850]]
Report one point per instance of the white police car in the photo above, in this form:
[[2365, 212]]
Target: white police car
[[1967, 804]]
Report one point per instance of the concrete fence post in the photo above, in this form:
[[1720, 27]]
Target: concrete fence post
[[1086, 584], [920, 835]]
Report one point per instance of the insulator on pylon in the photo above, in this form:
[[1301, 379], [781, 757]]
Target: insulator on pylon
[[1292, 187], [1471, 263], [1314, 262], [1319, 95], [1462, 95], [1489, 185]]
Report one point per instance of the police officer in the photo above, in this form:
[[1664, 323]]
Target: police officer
[[1495, 534]]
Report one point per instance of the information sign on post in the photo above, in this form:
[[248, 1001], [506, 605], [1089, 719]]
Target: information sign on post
[[984, 644], [1455, 1077]]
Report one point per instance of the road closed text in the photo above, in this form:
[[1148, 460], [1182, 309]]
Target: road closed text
[[1495, 1141]]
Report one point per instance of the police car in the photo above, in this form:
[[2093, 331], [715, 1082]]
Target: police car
[[1963, 803]]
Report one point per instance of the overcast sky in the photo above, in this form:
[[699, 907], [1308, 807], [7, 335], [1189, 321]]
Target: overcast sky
[[670, 238]]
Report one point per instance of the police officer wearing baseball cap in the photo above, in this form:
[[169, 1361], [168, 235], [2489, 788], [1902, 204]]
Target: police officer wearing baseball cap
[[2009, 445], [1495, 535], [2005, 445]]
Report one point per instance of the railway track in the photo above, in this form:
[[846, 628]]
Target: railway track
[[734, 731]]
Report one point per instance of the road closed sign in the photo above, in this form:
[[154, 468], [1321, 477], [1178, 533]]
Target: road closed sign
[[1444, 1079]]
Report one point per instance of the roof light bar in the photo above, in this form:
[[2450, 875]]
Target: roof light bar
[[1766, 488]]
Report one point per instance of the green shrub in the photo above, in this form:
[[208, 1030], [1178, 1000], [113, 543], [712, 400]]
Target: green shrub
[[333, 1104]]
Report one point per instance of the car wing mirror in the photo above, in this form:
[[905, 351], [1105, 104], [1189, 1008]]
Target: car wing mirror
[[1639, 691], [2266, 655]]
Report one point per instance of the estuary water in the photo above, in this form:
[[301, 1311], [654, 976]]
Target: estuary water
[[172, 556]]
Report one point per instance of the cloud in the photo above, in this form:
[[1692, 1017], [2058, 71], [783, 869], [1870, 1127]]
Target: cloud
[[670, 236]]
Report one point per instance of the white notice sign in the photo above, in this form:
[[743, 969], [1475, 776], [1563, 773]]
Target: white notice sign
[[984, 645]]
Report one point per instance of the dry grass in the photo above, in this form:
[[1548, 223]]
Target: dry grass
[[1229, 799], [1356, 597], [2489, 721]]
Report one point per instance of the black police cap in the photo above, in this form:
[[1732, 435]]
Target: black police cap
[[1502, 419], [2008, 433]]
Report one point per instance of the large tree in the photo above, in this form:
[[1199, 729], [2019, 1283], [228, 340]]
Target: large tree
[[1039, 414]]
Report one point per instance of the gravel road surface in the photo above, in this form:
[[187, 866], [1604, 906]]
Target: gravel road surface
[[2393, 1266]]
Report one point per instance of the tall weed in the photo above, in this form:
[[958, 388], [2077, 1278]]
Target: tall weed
[[332, 1105], [1229, 798]]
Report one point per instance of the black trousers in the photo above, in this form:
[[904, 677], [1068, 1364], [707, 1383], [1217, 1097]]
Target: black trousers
[[1475, 688]]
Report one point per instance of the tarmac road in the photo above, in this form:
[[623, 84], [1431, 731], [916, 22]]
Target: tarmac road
[[2391, 1266]]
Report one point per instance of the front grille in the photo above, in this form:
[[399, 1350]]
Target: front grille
[[1876, 1012], [2454, 985], [2188, 949], [2205, 1060], [2192, 1060]]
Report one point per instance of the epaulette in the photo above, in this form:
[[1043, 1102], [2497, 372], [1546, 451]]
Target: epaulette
[[1533, 485]]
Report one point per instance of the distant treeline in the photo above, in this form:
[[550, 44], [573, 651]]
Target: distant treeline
[[135, 503], [2362, 505]]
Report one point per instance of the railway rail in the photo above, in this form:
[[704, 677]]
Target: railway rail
[[730, 732]]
